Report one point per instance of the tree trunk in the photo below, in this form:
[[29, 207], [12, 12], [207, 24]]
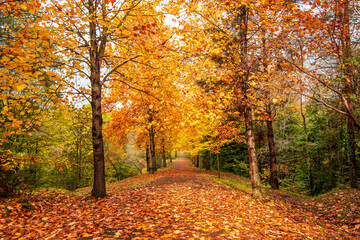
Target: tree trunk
[[152, 150], [152, 142], [170, 155], [147, 158], [269, 122], [96, 52], [272, 150], [116, 170], [207, 160], [250, 142], [348, 73], [97, 138], [163, 153], [307, 149], [197, 160], [218, 164], [353, 165], [242, 20]]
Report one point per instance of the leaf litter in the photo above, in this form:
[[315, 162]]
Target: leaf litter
[[180, 203]]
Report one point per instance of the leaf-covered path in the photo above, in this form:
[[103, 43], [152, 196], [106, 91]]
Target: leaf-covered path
[[179, 203]]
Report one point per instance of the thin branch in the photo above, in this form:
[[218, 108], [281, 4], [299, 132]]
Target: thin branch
[[138, 89], [118, 66]]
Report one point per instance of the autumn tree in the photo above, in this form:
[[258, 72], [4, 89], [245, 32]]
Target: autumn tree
[[245, 40], [326, 55], [67, 148], [30, 86], [234, 35], [29, 83], [96, 39]]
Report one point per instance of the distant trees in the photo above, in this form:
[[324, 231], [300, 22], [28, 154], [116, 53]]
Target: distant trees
[[269, 56], [334, 57]]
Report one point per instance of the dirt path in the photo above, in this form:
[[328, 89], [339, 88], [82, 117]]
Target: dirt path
[[179, 203], [186, 204], [181, 162]]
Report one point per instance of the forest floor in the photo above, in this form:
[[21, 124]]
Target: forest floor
[[180, 202]]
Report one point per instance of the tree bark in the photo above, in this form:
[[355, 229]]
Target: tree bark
[[163, 153], [218, 164], [97, 138], [242, 20], [353, 165], [152, 150], [207, 160], [96, 54], [147, 158], [307, 148], [250, 142], [152, 143], [197, 160], [348, 73], [272, 150]]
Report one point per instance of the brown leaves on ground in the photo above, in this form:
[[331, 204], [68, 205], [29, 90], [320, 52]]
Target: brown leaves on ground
[[340, 208], [173, 204]]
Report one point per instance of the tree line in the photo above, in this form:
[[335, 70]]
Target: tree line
[[269, 87]]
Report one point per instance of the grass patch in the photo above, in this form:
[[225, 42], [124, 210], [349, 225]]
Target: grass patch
[[237, 184], [243, 186], [164, 168]]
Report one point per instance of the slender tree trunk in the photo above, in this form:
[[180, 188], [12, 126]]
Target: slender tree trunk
[[218, 164], [353, 165], [78, 162], [197, 160], [207, 160], [269, 122], [116, 170], [80, 158], [170, 155], [152, 150], [152, 142], [272, 150], [175, 154], [348, 73], [242, 20], [163, 153], [250, 142], [96, 53], [307, 149], [147, 158]]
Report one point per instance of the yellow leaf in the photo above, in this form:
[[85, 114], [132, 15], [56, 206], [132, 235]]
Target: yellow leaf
[[19, 87], [36, 89], [5, 59], [32, 11], [23, 7]]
